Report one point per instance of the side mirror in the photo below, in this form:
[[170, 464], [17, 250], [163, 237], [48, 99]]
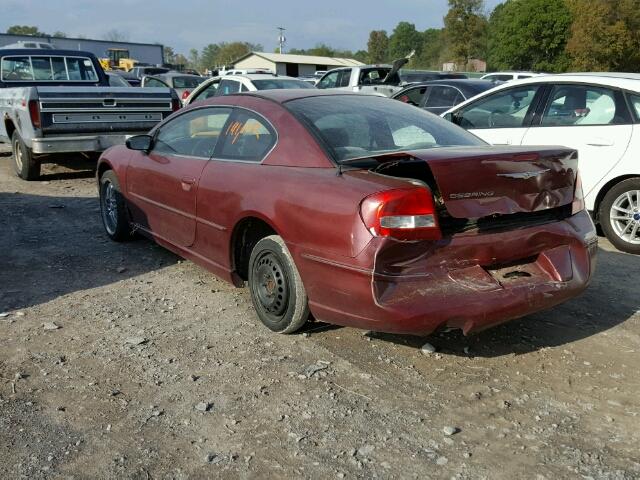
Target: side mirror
[[448, 117], [140, 142]]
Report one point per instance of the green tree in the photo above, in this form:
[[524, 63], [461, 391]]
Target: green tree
[[25, 30], [59, 34], [529, 35], [361, 56], [208, 59], [378, 46], [465, 28], [432, 49], [403, 40], [230, 52], [169, 54], [605, 35]]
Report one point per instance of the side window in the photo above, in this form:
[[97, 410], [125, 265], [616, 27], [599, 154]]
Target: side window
[[504, 109], [228, 87], [330, 80], [81, 69], [573, 105], [42, 68], [345, 76], [208, 92], [413, 96], [154, 82], [442, 96], [635, 101], [246, 137], [193, 134], [243, 88], [16, 68]]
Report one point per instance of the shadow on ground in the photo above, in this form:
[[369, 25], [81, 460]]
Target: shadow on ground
[[609, 301], [52, 246]]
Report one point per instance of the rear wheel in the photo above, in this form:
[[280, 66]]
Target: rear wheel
[[620, 215], [113, 208], [25, 165], [277, 291]]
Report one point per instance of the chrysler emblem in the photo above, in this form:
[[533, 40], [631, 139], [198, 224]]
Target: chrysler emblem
[[523, 175]]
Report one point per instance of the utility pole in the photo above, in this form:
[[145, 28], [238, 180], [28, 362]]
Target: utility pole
[[281, 39]]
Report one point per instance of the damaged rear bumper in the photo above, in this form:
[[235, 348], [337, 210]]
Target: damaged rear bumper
[[470, 281]]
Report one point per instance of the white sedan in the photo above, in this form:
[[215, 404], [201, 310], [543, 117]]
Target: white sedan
[[596, 114], [250, 82]]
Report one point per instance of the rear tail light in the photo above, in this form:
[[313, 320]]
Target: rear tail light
[[34, 113], [175, 104], [185, 94], [404, 214], [578, 196]]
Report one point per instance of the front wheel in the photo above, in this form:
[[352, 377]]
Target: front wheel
[[620, 215], [277, 291]]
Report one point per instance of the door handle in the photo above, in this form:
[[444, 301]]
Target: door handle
[[600, 142], [187, 183]]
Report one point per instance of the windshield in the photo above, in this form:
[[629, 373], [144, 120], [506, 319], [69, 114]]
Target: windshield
[[187, 82], [279, 83], [359, 126]]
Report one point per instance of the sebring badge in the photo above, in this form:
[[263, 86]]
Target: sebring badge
[[524, 175]]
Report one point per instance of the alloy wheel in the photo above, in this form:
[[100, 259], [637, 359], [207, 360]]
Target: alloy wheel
[[625, 216]]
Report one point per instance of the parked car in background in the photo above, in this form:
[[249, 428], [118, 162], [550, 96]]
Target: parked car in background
[[596, 114], [508, 76], [416, 76], [116, 80], [23, 44], [59, 101], [143, 71], [128, 76], [248, 71], [438, 96], [229, 84], [391, 220], [183, 84], [378, 79]]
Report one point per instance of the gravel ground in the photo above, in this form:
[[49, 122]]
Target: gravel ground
[[124, 361]]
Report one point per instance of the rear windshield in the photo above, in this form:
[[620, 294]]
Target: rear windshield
[[186, 82], [275, 84], [359, 126], [47, 68]]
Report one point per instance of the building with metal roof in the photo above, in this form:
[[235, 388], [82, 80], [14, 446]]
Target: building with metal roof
[[148, 53], [292, 65]]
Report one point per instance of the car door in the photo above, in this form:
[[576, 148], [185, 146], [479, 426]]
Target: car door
[[246, 140], [441, 98], [163, 183], [594, 120], [501, 118]]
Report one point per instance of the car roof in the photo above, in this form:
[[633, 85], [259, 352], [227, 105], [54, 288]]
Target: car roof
[[175, 74], [258, 76], [512, 72], [287, 94], [471, 84], [44, 52]]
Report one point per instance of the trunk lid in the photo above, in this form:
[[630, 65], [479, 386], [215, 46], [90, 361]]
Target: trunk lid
[[479, 182]]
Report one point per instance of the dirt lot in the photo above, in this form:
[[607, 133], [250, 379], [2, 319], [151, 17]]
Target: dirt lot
[[158, 370]]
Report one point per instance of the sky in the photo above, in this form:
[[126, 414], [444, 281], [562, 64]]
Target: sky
[[186, 24]]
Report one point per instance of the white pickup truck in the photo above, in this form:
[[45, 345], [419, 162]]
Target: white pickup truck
[[377, 79], [59, 101]]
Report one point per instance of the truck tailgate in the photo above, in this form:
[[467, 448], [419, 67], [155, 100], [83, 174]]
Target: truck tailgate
[[78, 110]]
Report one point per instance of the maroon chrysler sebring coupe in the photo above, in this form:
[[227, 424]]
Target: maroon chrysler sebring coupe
[[358, 210]]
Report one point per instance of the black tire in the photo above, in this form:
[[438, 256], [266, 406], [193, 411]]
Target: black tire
[[625, 217], [24, 163], [277, 291], [113, 208]]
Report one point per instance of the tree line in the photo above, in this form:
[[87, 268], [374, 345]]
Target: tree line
[[537, 35]]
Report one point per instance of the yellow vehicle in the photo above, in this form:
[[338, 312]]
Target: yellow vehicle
[[118, 58]]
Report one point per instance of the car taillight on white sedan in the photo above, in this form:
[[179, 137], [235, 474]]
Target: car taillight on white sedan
[[185, 95], [404, 214]]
